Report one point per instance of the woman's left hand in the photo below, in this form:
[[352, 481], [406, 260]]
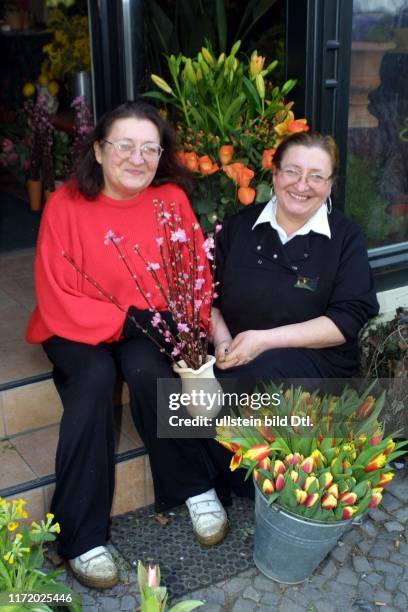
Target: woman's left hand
[[245, 347]]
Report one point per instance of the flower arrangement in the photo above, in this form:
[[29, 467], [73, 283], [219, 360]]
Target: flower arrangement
[[69, 51], [181, 276], [41, 134], [229, 118], [154, 596], [14, 153], [22, 555], [329, 471], [83, 125]]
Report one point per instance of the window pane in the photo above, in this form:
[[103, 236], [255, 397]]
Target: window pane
[[377, 172]]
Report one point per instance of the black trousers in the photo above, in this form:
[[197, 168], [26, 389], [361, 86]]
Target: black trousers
[[85, 378]]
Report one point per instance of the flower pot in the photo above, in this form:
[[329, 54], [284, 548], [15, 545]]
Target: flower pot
[[197, 383], [35, 192], [288, 548]]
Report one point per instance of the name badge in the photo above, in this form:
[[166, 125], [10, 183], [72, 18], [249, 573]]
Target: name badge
[[304, 282]]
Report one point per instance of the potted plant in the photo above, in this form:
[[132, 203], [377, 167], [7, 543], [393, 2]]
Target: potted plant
[[229, 118], [154, 596], [317, 463]]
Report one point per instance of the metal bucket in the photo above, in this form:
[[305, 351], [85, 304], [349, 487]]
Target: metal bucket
[[288, 548], [80, 84]]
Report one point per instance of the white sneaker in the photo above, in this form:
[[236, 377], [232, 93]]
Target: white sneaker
[[95, 568], [210, 522]]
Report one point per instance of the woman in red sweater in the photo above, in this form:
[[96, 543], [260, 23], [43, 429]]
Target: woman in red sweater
[[127, 162]]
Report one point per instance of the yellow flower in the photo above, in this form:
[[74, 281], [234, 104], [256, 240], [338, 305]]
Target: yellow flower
[[12, 526]]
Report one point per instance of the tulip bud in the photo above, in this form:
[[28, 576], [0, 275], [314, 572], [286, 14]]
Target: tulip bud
[[333, 490], [256, 475], [389, 448], [279, 482], [292, 459], [264, 464], [318, 458], [267, 486], [231, 446], [257, 452], [376, 463], [236, 460], [311, 500], [294, 476], [207, 56], [366, 408], [328, 502], [307, 465], [376, 497], [278, 467], [348, 498], [326, 479], [152, 577], [311, 484], [301, 496], [348, 512], [385, 479], [376, 438], [260, 85], [161, 83]]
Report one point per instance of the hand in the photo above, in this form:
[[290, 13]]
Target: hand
[[221, 351], [245, 347]]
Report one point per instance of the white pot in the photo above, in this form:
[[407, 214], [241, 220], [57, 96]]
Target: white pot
[[202, 386]]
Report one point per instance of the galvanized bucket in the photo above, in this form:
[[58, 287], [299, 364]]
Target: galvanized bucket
[[288, 548]]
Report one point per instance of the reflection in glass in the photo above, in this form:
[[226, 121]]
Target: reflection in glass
[[377, 172]]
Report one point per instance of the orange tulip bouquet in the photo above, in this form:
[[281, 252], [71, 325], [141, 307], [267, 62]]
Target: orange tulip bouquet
[[229, 117], [329, 463]]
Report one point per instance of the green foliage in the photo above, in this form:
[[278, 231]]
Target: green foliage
[[364, 203], [154, 596]]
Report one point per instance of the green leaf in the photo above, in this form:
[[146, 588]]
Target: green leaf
[[221, 21], [234, 108], [263, 193], [157, 96], [204, 206], [186, 606]]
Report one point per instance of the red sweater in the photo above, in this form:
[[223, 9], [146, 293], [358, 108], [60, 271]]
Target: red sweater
[[67, 304]]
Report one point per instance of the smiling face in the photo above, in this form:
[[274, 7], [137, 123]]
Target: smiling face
[[298, 200], [125, 178]]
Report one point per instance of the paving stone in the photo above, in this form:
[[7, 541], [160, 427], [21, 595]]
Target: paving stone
[[369, 529], [290, 606], [399, 489], [364, 546], [394, 526], [244, 605], [347, 576], [400, 601], [109, 603], [213, 607], [389, 568], [262, 583], [340, 588], [382, 596], [340, 553], [392, 582], [403, 587], [235, 585], [87, 600], [215, 595], [390, 503], [360, 603], [374, 578], [400, 559], [270, 599], [329, 569], [324, 605], [361, 564], [365, 589], [378, 515], [250, 593], [382, 549], [128, 603], [402, 515]]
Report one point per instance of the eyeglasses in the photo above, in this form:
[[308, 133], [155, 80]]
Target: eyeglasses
[[150, 151], [315, 180]]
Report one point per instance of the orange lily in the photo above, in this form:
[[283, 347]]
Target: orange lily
[[246, 195], [226, 153], [298, 125], [256, 63], [267, 157]]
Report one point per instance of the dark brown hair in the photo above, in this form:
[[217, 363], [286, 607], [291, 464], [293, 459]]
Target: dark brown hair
[[88, 176], [309, 139]]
